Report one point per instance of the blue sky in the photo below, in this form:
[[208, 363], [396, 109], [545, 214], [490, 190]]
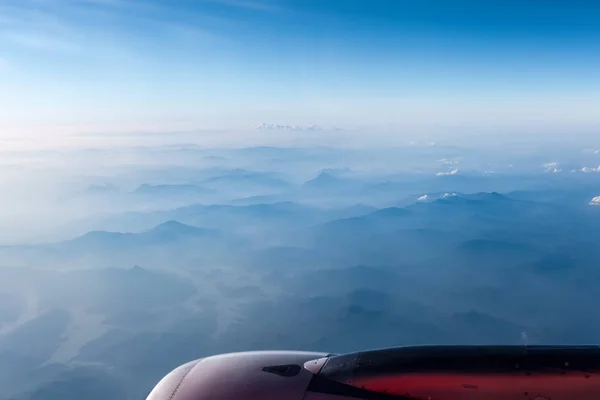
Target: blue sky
[[136, 64]]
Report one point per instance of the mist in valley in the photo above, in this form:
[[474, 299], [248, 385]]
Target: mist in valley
[[121, 262]]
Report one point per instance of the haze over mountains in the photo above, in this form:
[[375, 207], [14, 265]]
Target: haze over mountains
[[123, 269]]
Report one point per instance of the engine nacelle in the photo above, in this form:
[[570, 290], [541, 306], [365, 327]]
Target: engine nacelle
[[403, 373]]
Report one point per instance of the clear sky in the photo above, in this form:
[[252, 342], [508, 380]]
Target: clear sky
[[135, 64]]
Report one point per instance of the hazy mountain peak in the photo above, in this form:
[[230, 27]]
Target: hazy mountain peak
[[324, 180], [137, 269], [99, 235], [175, 228]]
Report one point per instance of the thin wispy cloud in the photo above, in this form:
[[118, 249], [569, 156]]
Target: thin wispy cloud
[[452, 172], [249, 4], [24, 26], [92, 25], [118, 3], [40, 41], [36, 25]]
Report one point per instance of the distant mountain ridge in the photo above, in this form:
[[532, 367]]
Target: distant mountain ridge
[[166, 232], [249, 177], [171, 190]]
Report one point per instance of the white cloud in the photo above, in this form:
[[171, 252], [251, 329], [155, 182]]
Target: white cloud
[[452, 172], [448, 161], [590, 169], [423, 198], [552, 167], [595, 201], [421, 144], [265, 126]]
